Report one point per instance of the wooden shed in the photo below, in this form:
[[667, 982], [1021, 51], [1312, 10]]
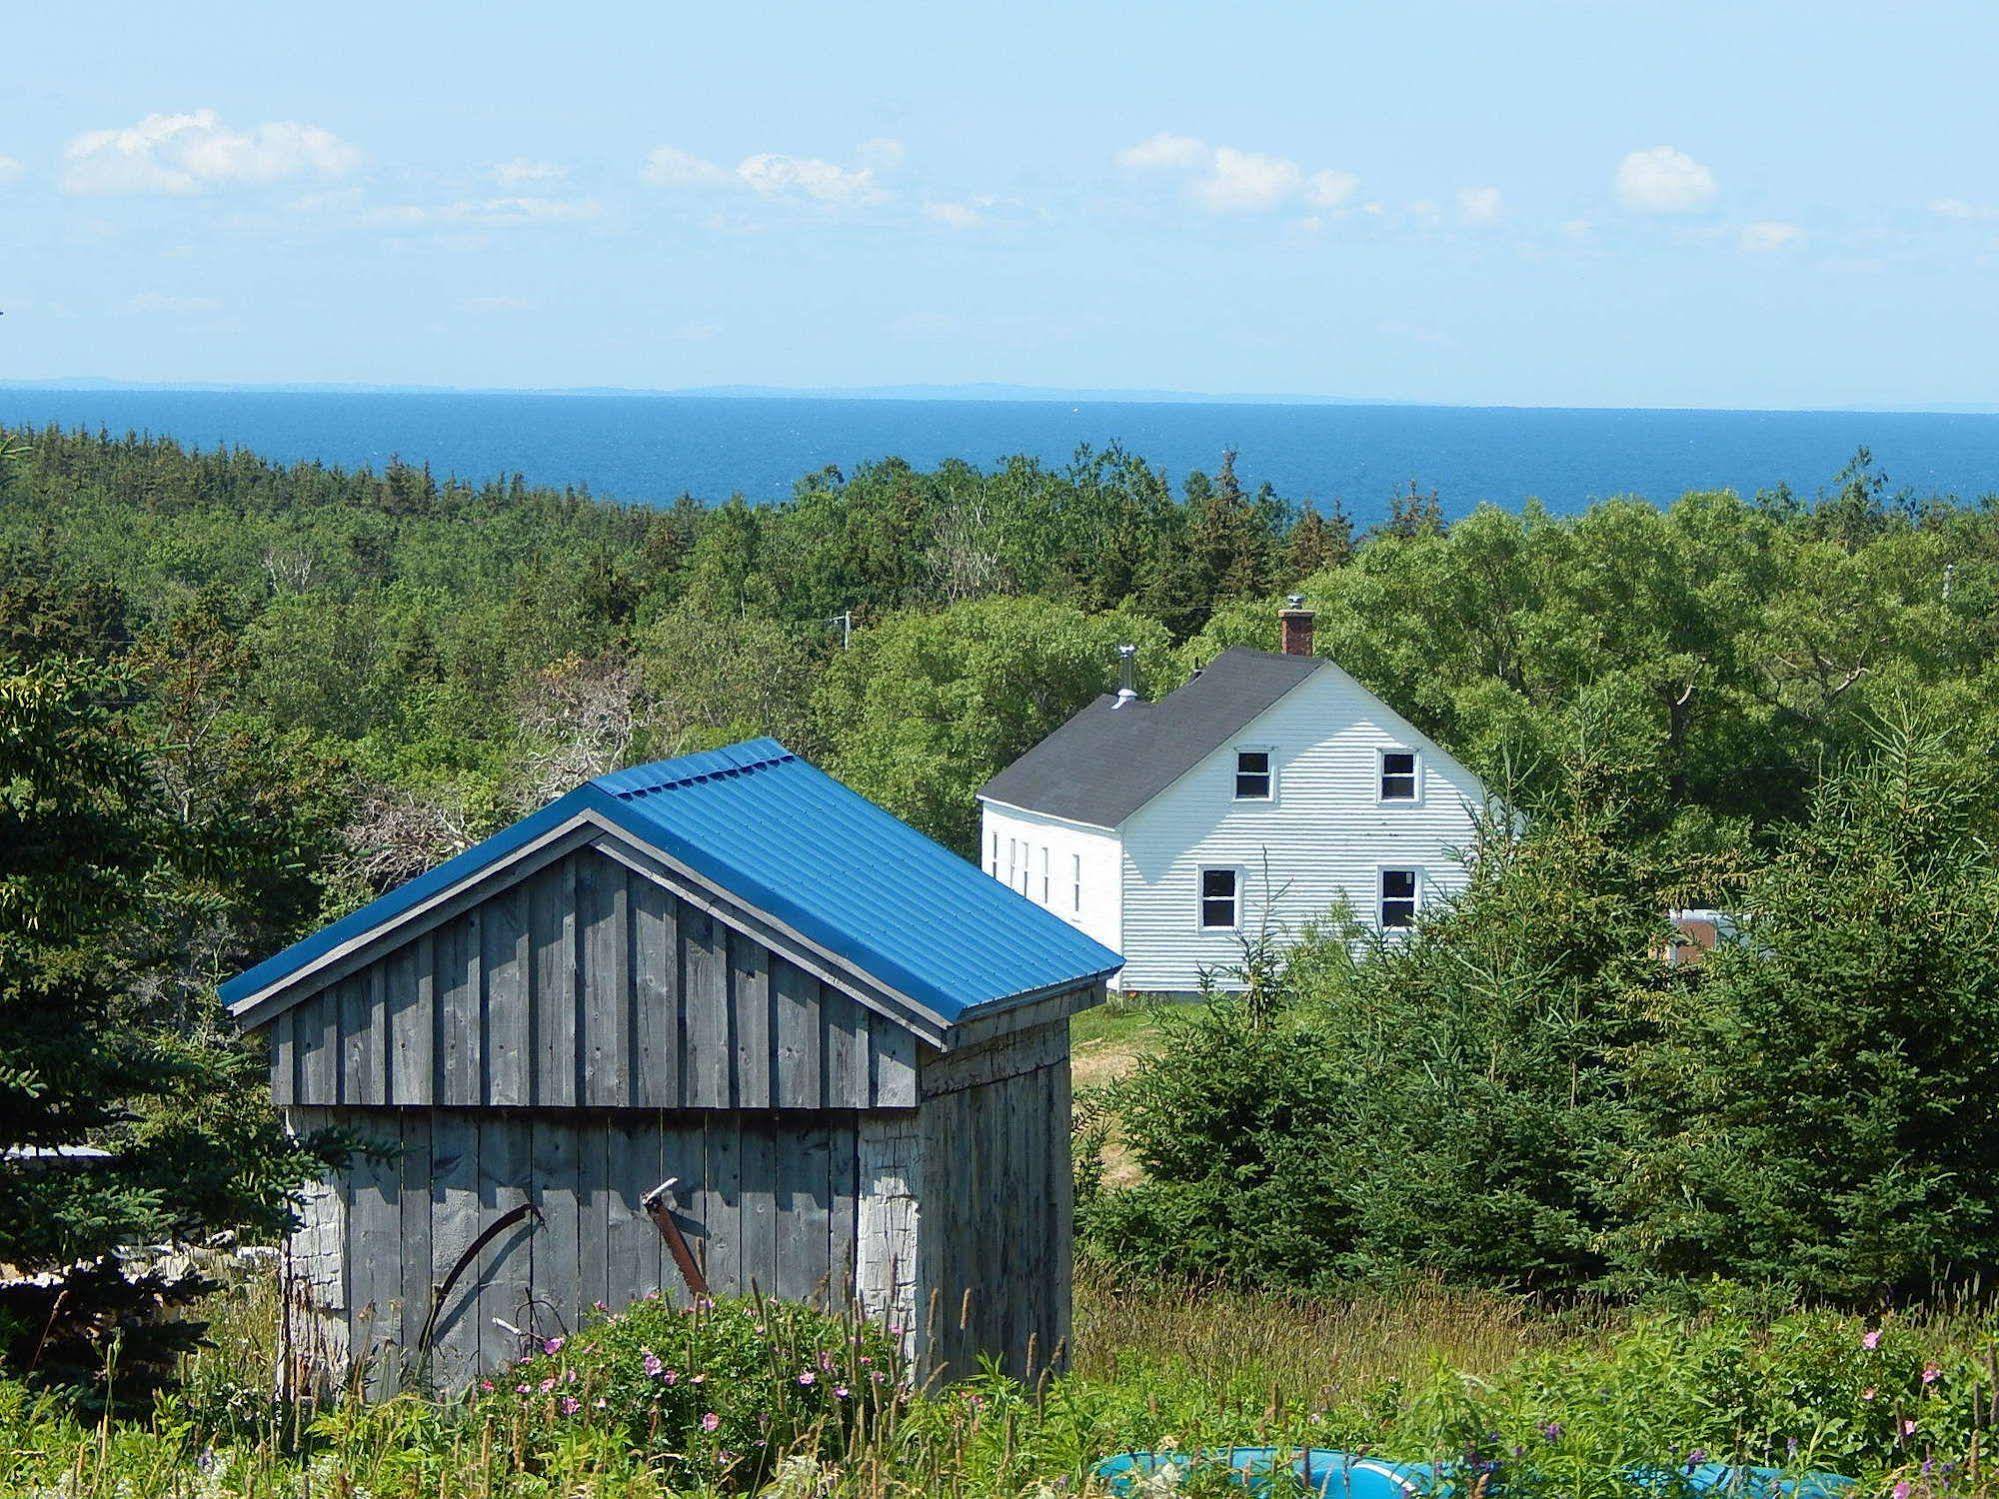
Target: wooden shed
[[846, 1047]]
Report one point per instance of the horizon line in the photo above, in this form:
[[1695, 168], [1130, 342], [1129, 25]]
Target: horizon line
[[981, 392]]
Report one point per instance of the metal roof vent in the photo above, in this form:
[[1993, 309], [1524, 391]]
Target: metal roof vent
[[1127, 675]]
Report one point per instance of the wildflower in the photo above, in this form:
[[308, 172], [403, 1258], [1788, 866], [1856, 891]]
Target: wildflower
[[602, 1402], [570, 1405], [1871, 1339], [552, 1346], [806, 1377], [1901, 1490], [710, 1421], [839, 1392], [671, 1376], [486, 1385], [651, 1363], [521, 1388], [1868, 1393], [1931, 1373], [600, 1306], [569, 1377], [548, 1384], [1696, 1458], [697, 1378], [1552, 1431], [1908, 1428]]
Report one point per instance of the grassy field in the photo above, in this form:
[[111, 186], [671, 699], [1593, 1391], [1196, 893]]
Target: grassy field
[[1561, 1403]]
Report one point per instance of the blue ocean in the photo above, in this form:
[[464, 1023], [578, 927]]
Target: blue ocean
[[654, 448]]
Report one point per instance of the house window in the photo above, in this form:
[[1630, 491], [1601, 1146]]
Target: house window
[[1398, 898], [1218, 900], [1012, 861], [1044, 874], [996, 856], [1398, 775], [1076, 879], [1252, 775]]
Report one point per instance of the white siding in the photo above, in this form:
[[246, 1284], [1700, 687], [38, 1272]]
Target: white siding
[[1026, 838], [1325, 832]]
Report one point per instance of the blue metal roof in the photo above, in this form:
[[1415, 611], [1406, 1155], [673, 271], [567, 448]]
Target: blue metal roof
[[779, 835]]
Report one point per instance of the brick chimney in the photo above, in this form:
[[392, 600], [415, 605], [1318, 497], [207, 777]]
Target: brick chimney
[[1296, 622]]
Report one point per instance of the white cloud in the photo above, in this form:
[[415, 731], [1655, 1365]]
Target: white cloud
[[180, 154], [1479, 205], [954, 215], [1247, 181], [524, 171], [1165, 150], [1767, 235], [1232, 180], [498, 213], [1330, 189], [1961, 208], [151, 301], [669, 166], [10, 170], [769, 174], [1663, 180]]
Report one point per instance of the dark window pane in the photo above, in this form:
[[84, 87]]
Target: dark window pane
[[1398, 776], [1398, 913], [1218, 913], [1252, 773], [1218, 882], [1399, 763], [1398, 884]]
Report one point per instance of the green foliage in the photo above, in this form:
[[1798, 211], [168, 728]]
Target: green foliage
[[925, 707], [1520, 1093], [715, 1392], [1824, 1105]]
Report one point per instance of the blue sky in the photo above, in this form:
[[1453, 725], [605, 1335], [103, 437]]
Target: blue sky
[[1582, 203]]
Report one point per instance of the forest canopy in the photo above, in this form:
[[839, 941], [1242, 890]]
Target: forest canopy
[[299, 686]]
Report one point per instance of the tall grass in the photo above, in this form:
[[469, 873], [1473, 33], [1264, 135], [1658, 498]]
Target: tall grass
[[1561, 1404]]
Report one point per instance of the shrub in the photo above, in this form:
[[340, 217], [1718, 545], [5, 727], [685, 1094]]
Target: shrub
[[720, 1390]]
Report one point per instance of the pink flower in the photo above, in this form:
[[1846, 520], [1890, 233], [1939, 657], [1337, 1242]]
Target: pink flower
[[1908, 1428], [697, 1379], [1931, 1373], [521, 1388], [552, 1346], [840, 1390], [806, 1377], [570, 1405], [670, 1377], [651, 1363], [548, 1384], [1868, 1393], [600, 1306], [1901, 1490], [602, 1402], [710, 1421], [486, 1385], [1871, 1339]]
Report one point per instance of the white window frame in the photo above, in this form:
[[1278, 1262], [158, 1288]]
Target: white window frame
[[1270, 772], [1381, 774], [1044, 876], [1201, 897], [1381, 897], [1012, 862]]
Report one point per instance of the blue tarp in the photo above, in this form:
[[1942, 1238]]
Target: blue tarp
[[1321, 1471]]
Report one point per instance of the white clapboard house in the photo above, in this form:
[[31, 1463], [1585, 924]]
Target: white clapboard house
[[1247, 802]]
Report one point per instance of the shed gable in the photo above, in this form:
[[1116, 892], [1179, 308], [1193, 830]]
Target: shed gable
[[588, 983]]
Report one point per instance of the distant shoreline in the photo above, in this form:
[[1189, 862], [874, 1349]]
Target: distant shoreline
[[976, 394]]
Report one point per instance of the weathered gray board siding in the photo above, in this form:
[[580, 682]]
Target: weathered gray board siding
[[993, 1252], [760, 1198], [588, 985]]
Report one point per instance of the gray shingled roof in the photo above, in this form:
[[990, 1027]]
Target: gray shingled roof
[[1107, 762]]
